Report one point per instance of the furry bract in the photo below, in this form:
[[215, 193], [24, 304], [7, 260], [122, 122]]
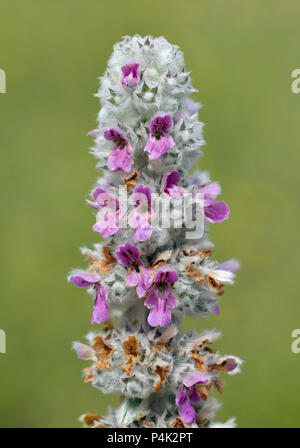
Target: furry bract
[[147, 139]]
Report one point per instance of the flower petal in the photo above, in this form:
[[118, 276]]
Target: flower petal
[[84, 279], [195, 378], [170, 300], [101, 311], [145, 281], [156, 147], [161, 123], [216, 310], [160, 315], [181, 395], [107, 223], [83, 351], [193, 395], [152, 299], [170, 179], [142, 234], [217, 212], [142, 195], [166, 275], [128, 254], [114, 135], [187, 412], [210, 192], [97, 192], [120, 159], [230, 265], [191, 107], [130, 74], [94, 133], [169, 184], [133, 278]]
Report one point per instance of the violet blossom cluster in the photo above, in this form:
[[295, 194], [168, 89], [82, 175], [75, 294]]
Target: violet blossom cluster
[[147, 139]]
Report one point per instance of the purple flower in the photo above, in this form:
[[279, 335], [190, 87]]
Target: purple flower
[[85, 279], [120, 156], [139, 275], [189, 108], [161, 299], [216, 310], [109, 212], [139, 219], [169, 184], [94, 133], [128, 254], [83, 351], [230, 266], [159, 142], [101, 310], [214, 211], [187, 393], [130, 74], [228, 365], [231, 365]]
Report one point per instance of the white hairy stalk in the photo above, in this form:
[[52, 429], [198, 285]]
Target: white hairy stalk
[[144, 277]]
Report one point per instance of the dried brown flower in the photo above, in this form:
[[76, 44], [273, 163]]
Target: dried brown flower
[[131, 180], [130, 346], [103, 352], [88, 375], [178, 423], [161, 259], [90, 418], [162, 372]]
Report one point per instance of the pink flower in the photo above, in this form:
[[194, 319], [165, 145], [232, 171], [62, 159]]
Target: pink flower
[[139, 219], [161, 300], [109, 212], [187, 393], [214, 211], [130, 74], [120, 156], [189, 108], [94, 133], [169, 184], [216, 310], [83, 351], [159, 142], [230, 266], [139, 275], [84, 279], [101, 310]]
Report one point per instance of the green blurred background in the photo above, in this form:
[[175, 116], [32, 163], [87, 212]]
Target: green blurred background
[[241, 54]]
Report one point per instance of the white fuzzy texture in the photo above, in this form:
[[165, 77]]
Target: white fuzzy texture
[[161, 357]]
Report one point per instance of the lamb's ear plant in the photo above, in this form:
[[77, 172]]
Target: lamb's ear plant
[[144, 277]]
